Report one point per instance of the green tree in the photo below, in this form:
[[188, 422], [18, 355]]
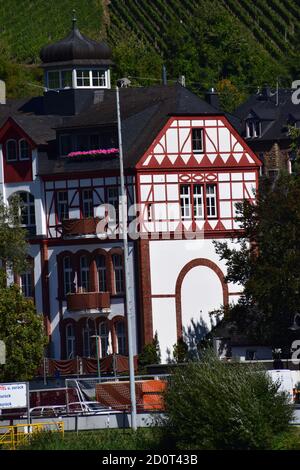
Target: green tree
[[216, 405], [22, 331], [150, 354], [20, 327], [266, 263], [13, 245], [180, 351]]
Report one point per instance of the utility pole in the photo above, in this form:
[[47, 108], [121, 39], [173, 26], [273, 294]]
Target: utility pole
[[128, 288]]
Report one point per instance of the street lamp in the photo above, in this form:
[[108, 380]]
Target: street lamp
[[127, 275]]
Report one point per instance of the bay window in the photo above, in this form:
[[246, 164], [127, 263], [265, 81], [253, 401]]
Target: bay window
[[121, 337], [70, 341], [67, 276]]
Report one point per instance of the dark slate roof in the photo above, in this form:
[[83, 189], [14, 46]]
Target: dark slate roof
[[275, 114], [144, 111], [28, 114], [76, 47]]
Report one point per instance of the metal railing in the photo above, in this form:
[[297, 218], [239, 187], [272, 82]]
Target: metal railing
[[13, 436]]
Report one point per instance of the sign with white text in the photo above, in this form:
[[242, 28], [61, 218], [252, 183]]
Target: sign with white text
[[13, 395]]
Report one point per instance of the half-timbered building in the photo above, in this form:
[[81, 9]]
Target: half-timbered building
[[185, 168]]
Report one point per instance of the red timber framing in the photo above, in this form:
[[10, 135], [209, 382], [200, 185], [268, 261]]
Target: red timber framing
[[16, 171], [74, 185]]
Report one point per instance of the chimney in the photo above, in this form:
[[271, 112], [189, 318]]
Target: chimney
[[212, 97], [2, 92]]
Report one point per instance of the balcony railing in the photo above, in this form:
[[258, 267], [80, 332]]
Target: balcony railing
[[80, 226], [88, 301]]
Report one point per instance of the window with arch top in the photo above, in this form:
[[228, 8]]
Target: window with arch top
[[117, 261], [24, 149]]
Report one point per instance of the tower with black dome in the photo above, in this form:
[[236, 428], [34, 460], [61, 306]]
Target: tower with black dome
[[76, 70]]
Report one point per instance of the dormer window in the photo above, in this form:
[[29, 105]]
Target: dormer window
[[66, 144], [11, 150], [253, 128], [83, 78], [53, 80]]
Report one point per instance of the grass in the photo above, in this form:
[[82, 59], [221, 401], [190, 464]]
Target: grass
[[144, 439], [106, 439]]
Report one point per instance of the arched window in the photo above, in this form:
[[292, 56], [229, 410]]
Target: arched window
[[84, 274], [68, 275], [121, 337], [11, 150], [27, 211], [118, 273], [24, 149], [104, 340], [70, 341], [101, 273]]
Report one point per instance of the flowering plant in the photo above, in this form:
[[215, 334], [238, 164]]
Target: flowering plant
[[93, 152]]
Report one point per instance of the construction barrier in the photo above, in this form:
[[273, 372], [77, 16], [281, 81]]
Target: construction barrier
[[13, 436], [149, 394]]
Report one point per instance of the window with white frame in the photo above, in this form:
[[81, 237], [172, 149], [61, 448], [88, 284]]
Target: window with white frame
[[211, 200], [101, 272], [98, 78], [121, 337], [113, 200], [67, 276], [83, 78], [197, 140], [87, 203], [198, 201], [11, 150], [24, 149], [84, 274], [185, 201], [95, 78], [253, 128], [70, 341], [26, 283], [86, 336], [62, 205], [104, 339], [118, 273], [27, 209]]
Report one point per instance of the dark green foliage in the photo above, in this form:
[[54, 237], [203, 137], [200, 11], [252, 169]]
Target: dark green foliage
[[22, 331], [180, 351], [216, 405], [269, 267], [13, 245], [20, 327], [150, 353]]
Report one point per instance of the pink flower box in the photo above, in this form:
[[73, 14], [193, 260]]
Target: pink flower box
[[93, 153]]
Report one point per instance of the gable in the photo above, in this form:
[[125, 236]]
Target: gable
[[223, 146]]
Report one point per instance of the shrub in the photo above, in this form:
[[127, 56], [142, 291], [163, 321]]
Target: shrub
[[216, 405]]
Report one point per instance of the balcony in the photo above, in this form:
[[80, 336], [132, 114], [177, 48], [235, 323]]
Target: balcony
[[76, 227], [98, 301]]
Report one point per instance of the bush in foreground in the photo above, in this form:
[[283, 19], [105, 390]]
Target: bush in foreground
[[216, 405]]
